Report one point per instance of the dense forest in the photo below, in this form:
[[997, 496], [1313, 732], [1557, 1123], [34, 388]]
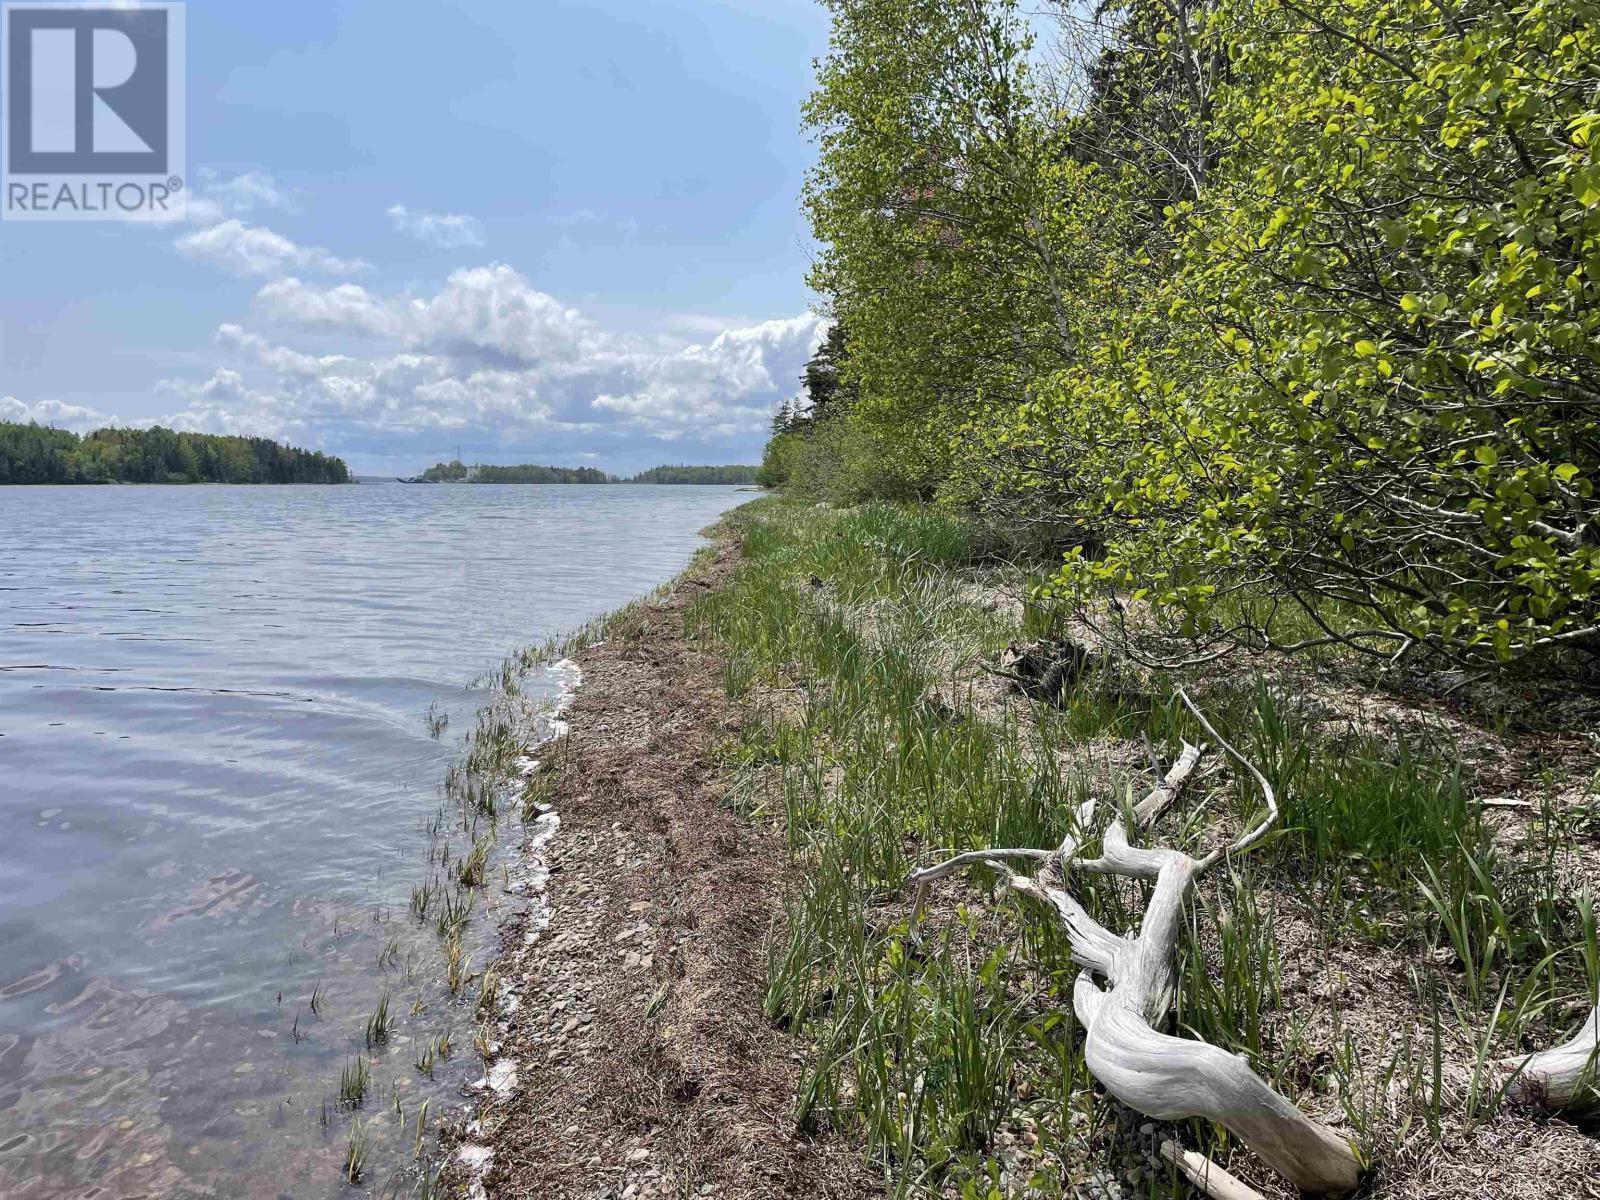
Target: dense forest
[[39, 454], [1277, 317], [459, 472], [685, 474]]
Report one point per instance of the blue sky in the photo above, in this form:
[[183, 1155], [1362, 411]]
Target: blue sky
[[542, 230]]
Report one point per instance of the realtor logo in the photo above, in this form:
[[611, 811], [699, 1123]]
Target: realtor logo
[[91, 111]]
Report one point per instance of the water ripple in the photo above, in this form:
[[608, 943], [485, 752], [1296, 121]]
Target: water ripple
[[217, 780]]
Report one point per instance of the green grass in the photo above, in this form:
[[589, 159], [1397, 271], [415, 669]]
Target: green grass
[[354, 1080], [356, 1152], [839, 628], [380, 1025]]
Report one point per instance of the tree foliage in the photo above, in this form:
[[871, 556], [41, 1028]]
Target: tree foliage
[[697, 475], [39, 454], [1286, 311], [456, 471]]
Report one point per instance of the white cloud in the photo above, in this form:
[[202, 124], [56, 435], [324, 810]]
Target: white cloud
[[254, 250], [347, 307], [249, 191], [279, 358], [495, 310], [490, 313], [219, 197], [491, 357], [224, 403], [445, 230], [52, 412], [725, 387]]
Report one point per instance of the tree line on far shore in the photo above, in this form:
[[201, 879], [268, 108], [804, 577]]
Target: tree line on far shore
[[459, 472], [38, 454]]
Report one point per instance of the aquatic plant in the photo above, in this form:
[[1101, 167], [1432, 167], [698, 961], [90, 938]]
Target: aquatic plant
[[354, 1079], [355, 1156], [489, 995], [380, 1024], [422, 897], [455, 912], [457, 969], [437, 721]]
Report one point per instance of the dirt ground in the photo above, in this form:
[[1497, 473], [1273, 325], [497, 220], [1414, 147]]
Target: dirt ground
[[644, 1064]]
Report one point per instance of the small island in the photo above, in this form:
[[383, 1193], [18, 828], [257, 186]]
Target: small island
[[39, 454], [456, 471]]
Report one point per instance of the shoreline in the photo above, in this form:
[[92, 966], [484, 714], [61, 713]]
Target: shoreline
[[728, 999], [639, 1059]]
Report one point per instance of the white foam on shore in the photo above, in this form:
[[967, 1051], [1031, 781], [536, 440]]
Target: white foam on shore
[[569, 675], [531, 875], [476, 1159], [501, 1078], [530, 878]]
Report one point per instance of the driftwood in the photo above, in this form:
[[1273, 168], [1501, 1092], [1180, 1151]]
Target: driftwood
[[1565, 1076], [1164, 1077], [1206, 1175]]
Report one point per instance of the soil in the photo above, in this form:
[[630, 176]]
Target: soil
[[644, 1063]]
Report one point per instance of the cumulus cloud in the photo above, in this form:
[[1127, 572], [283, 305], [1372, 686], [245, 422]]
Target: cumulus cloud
[[445, 230], [254, 250], [279, 358], [486, 357], [251, 190], [725, 387], [490, 313], [52, 412], [495, 311], [349, 307], [490, 355]]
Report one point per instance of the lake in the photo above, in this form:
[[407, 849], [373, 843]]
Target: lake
[[225, 718]]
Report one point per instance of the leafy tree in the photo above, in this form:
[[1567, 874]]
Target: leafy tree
[[1271, 306], [1371, 386], [458, 472], [697, 475], [35, 454]]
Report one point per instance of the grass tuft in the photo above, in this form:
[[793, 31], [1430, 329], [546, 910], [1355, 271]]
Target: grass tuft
[[855, 639]]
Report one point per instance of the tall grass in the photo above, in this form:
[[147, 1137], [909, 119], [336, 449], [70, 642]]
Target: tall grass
[[852, 636]]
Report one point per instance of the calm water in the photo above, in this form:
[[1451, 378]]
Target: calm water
[[216, 776]]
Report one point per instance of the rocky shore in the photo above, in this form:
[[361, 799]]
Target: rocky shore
[[1436, 866], [635, 1060]]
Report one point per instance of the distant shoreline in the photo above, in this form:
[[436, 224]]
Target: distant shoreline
[[387, 479], [457, 471], [41, 455], [176, 483]]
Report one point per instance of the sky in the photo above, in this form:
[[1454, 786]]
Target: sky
[[554, 231]]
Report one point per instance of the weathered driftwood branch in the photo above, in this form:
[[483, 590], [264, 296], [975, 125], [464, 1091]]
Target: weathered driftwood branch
[[1565, 1076], [924, 879], [1161, 1076], [1206, 1175]]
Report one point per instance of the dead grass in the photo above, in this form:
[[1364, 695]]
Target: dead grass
[[646, 1061], [649, 1063]]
